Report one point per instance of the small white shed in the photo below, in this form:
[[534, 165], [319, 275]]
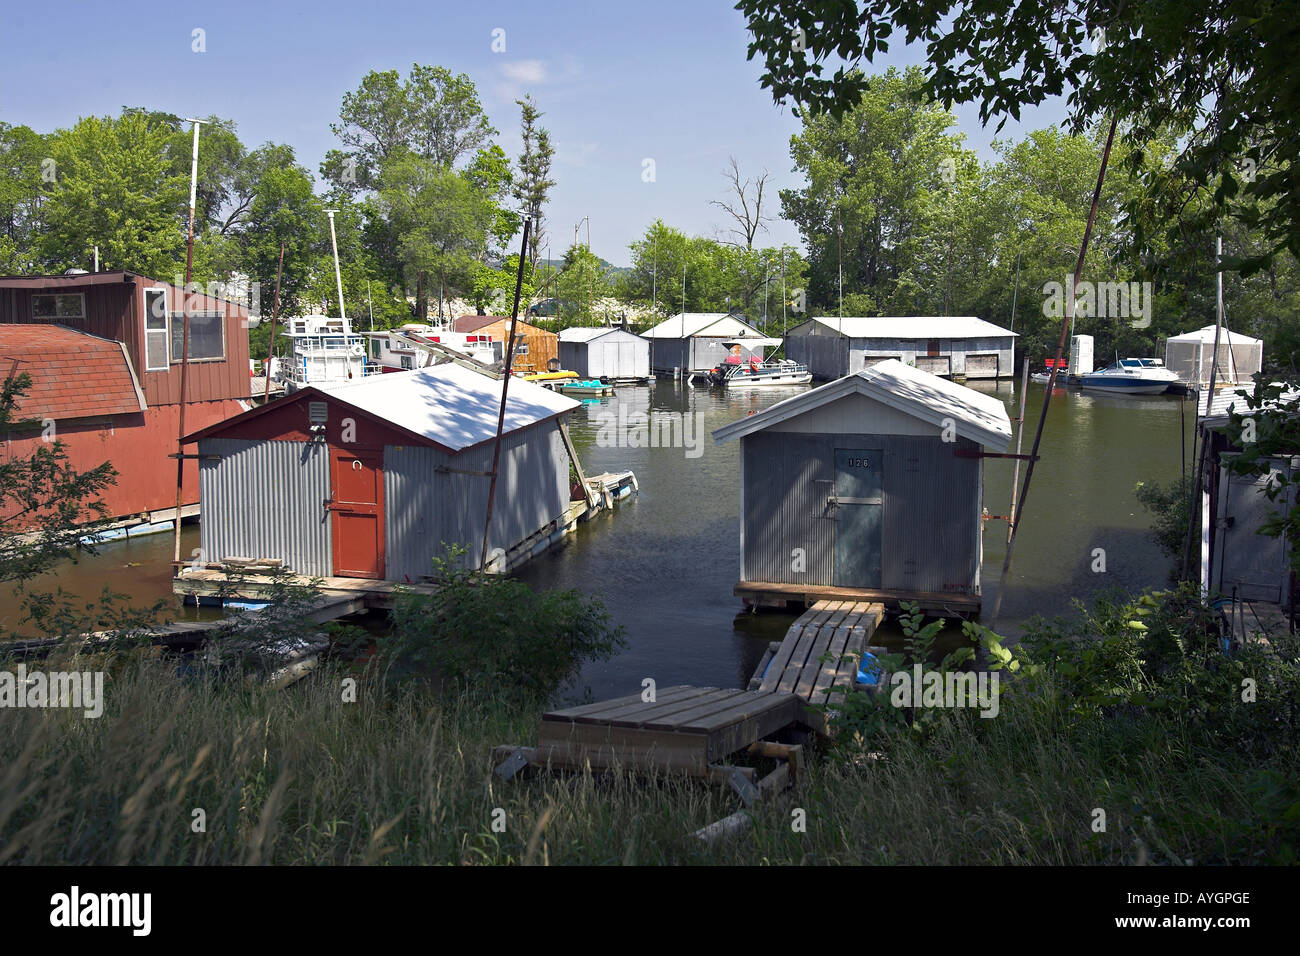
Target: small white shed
[[613, 355]]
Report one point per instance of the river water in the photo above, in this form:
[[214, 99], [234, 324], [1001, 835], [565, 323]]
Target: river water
[[665, 561]]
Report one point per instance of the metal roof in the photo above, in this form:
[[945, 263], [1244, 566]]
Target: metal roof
[[1206, 335], [912, 327], [586, 333], [685, 324], [450, 405], [1232, 398], [929, 398]]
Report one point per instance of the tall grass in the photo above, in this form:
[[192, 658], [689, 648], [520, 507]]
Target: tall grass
[[404, 776]]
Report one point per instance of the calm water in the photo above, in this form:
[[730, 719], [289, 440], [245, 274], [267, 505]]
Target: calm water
[[665, 562]]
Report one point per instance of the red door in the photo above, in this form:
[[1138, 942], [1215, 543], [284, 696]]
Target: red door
[[357, 504]]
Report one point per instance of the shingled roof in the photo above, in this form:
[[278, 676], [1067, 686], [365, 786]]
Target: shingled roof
[[74, 374]]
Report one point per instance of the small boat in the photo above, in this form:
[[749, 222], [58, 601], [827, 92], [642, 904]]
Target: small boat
[[736, 372], [1045, 376], [591, 386], [1131, 376]]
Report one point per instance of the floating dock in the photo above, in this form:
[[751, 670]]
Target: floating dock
[[695, 730]]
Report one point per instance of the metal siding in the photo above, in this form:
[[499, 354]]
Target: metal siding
[[931, 523], [263, 499], [426, 508]]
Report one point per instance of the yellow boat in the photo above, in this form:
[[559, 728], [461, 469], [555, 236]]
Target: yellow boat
[[550, 376]]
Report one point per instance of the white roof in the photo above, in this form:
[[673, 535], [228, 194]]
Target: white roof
[[685, 324], [453, 406], [1206, 335], [1232, 398], [912, 326], [979, 417], [587, 333]]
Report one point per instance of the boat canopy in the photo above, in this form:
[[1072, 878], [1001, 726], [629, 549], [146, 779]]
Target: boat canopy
[[767, 343]]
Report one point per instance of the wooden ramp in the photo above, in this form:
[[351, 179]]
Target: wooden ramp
[[821, 652], [689, 729]]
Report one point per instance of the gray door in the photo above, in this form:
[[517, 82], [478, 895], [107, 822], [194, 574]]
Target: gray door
[[857, 518], [1253, 564]]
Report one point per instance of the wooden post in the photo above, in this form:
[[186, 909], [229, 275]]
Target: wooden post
[[577, 465]]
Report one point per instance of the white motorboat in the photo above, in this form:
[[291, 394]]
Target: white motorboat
[[1131, 376]]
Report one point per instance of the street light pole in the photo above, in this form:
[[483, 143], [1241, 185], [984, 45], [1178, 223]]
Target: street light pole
[[338, 276]]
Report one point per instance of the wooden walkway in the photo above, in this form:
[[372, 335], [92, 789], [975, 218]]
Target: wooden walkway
[[696, 729], [820, 654]]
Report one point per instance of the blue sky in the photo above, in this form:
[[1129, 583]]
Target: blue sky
[[619, 82]]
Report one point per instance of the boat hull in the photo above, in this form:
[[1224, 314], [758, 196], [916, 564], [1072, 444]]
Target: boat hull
[[759, 381], [1125, 388]]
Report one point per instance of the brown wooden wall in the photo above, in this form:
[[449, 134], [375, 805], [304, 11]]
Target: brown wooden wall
[[116, 311], [542, 345]]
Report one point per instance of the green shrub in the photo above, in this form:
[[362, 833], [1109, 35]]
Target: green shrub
[[481, 631]]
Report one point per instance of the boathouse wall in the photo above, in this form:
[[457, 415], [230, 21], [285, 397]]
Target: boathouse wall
[[265, 499], [931, 524], [614, 354], [433, 497]]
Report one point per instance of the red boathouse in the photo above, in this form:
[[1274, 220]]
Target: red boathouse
[[104, 353]]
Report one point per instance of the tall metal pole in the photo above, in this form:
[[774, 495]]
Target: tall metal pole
[[275, 311], [839, 242], [505, 388], [338, 276], [185, 348], [1066, 325], [784, 297], [1020, 437]]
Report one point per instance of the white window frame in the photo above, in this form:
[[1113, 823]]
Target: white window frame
[[56, 295], [166, 329]]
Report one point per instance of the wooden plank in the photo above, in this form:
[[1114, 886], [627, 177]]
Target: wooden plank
[[791, 646], [668, 693], [768, 592], [643, 714], [802, 685], [831, 668], [781, 712], [748, 705], [794, 677], [607, 747], [684, 718]]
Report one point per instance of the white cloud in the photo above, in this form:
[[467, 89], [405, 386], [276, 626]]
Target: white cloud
[[533, 72]]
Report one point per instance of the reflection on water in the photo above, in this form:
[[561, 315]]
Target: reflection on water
[[665, 562]]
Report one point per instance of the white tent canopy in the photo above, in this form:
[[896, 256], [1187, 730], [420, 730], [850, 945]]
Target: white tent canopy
[[1191, 355]]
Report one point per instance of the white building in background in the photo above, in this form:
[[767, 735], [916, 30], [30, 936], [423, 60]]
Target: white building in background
[[961, 346], [697, 341]]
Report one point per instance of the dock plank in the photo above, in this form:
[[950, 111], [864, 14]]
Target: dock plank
[[667, 694], [665, 713]]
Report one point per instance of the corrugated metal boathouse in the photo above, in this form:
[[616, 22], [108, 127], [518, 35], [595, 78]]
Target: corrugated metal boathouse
[[369, 478], [614, 355], [869, 487]]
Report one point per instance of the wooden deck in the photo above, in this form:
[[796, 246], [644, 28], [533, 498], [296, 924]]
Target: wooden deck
[[933, 603], [689, 729], [695, 729], [820, 653]]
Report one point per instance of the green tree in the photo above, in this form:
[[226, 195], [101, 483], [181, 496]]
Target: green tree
[[441, 220], [533, 184], [871, 176], [433, 114], [22, 153], [114, 187], [1216, 72]]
